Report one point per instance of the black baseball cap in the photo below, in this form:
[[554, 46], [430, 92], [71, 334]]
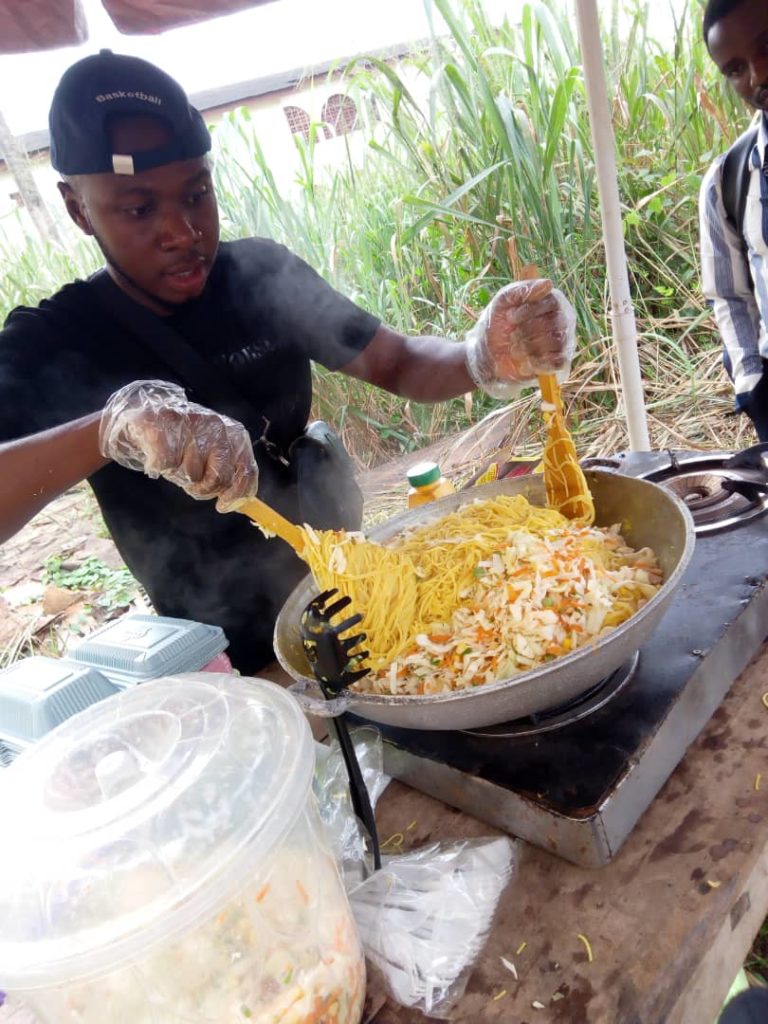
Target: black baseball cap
[[98, 87]]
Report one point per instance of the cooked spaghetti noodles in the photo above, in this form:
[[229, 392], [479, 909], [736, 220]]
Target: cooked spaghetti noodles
[[382, 583], [417, 587], [564, 480]]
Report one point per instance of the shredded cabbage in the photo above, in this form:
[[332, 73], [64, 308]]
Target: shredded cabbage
[[539, 597], [285, 951]]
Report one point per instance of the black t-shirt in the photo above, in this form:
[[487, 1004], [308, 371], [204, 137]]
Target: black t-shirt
[[263, 317]]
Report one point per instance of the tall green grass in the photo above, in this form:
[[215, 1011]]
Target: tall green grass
[[481, 136], [497, 143]]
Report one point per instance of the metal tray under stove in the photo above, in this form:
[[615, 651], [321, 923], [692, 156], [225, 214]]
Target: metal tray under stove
[[579, 789]]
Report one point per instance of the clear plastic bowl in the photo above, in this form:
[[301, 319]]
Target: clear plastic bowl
[[167, 864]]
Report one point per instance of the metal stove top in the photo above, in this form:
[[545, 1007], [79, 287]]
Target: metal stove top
[[697, 479], [578, 785]]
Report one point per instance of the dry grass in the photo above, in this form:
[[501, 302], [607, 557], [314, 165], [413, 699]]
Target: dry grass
[[682, 413]]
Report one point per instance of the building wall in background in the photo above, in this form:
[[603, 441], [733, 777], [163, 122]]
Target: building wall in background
[[278, 116]]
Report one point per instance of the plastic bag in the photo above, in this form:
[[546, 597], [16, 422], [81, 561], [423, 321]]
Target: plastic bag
[[527, 329], [345, 831], [424, 917], [310, 697], [150, 426]]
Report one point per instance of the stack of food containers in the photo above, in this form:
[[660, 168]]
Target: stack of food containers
[[137, 648], [167, 864], [39, 693]]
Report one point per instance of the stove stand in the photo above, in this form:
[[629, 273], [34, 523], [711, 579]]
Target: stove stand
[[564, 714], [579, 789]]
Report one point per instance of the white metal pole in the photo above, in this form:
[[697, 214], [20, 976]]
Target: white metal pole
[[622, 311]]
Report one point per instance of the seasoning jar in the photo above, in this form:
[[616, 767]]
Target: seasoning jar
[[427, 484]]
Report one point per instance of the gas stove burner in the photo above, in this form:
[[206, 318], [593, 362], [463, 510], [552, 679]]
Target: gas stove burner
[[564, 714], [714, 508], [706, 498], [699, 484]]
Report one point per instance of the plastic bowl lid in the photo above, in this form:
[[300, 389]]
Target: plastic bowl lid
[[140, 816]]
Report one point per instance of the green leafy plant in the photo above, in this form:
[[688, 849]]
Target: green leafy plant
[[757, 961], [114, 588]]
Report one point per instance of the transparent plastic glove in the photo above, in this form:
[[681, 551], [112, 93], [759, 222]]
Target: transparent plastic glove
[[150, 426], [527, 329]]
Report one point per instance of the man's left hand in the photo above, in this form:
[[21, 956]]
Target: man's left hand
[[526, 330]]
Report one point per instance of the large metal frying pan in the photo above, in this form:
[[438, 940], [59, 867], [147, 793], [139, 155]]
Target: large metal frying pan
[[650, 516]]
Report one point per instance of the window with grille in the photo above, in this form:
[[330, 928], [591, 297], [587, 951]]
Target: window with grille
[[298, 121], [340, 113]]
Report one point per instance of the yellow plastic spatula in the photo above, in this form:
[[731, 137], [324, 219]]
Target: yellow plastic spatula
[[268, 519], [564, 480]]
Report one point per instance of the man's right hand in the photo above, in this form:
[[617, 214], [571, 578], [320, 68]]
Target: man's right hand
[[150, 426]]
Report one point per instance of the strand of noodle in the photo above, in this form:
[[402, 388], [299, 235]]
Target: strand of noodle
[[566, 486]]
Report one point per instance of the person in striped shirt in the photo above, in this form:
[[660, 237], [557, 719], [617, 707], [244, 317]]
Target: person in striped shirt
[[734, 259]]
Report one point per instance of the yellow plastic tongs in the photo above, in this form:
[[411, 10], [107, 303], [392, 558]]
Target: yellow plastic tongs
[[270, 520], [564, 480], [566, 486]]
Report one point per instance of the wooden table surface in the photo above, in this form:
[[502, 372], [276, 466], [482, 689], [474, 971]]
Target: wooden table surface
[[670, 919]]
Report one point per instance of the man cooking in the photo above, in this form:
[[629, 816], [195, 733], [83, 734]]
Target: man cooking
[[183, 371]]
